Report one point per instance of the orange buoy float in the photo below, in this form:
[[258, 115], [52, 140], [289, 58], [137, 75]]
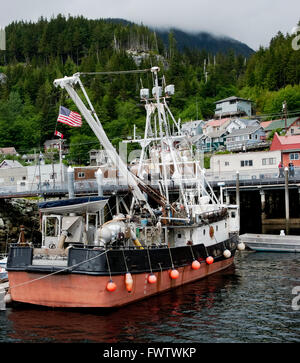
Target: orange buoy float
[[174, 274], [111, 286], [195, 265], [128, 282], [152, 279], [209, 260]]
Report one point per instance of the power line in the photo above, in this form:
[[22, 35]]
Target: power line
[[113, 72]]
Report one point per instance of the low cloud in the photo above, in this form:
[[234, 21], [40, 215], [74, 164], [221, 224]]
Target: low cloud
[[252, 22]]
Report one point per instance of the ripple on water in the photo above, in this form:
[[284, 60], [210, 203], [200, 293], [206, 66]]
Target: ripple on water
[[250, 302]]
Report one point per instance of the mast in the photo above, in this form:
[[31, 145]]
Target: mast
[[163, 122], [68, 83]]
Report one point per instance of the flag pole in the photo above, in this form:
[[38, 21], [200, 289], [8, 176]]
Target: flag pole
[[60, 162]]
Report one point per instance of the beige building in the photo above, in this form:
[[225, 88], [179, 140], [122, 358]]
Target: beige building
[[250, 165]]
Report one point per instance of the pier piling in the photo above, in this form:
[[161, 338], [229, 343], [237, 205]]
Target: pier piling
[[286, 187]]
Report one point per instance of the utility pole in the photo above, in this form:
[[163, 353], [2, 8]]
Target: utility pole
[[284, 109]]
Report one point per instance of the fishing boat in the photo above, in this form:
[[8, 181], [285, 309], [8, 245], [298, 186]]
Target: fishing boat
[[159, 241]]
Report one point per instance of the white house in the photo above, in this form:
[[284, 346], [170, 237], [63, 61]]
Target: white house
[[55, 174], [240, 123], [192, 128], [233, 106], [250, 165], [8, 164]]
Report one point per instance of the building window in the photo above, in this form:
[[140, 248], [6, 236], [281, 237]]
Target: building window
[[268, 161], [81, 174], [226, 163], [292, 131], [294, 156], [246, 162]]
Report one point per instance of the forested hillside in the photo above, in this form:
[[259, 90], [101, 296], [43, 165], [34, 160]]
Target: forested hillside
[[37, 53]]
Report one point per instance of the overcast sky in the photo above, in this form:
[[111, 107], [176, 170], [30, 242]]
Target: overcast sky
[[253, 22]]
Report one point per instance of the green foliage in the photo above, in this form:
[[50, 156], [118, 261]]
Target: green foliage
[[279, 131], [37, 53], [80, 145]]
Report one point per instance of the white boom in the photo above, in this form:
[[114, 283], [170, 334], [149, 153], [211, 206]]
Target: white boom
[[68, 83]]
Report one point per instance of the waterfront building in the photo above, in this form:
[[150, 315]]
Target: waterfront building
[[289, 146], [250, 165]]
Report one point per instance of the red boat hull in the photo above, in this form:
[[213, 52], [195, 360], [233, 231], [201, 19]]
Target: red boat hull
[[87, 291]]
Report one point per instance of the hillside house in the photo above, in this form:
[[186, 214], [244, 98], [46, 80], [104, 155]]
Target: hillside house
[[279, 124], [193, 128], [248, 137], [215, 125], [8, 151], [213, 140], [233, 106], [55, 144], [294, 127], [240, 123]]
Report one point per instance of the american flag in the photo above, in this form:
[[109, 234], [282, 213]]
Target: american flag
[[68, 117], [59, 134]]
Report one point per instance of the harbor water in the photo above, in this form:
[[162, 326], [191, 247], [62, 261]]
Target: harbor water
[[253, 301]]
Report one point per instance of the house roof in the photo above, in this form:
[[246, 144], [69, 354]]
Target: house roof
[[218, 133], [287, 142], [232, 98], [196, 138], [280, 124], [190, 124], [245, 131], [245, 121], [216, 122], [8, 150], [10, 164], [265, 124]]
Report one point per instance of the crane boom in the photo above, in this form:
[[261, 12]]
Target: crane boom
[[68, 83]]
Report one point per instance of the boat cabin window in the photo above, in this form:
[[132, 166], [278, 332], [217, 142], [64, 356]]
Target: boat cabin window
[[52, 227], [232, 214]]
